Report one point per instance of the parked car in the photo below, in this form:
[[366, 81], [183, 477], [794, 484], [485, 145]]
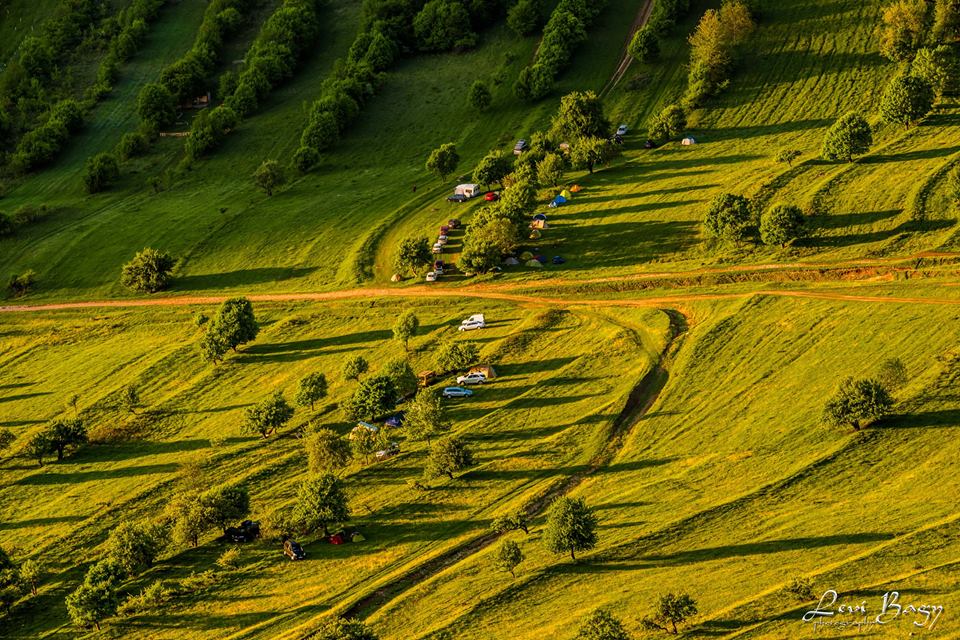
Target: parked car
[[472, 378], [520, 147], [396, 420], [431, 276], [458, 198], [456, 392], [246, 531], [558, 260], [454, 223], [438, 271], [471, 325], [445, 229], [293, 550], [442, 240], [649, 144], [622, 130], [492, 196], [439, 264], [437, 247], [392, 449]]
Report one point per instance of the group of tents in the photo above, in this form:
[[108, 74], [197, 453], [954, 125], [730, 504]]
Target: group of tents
[[564, 196]]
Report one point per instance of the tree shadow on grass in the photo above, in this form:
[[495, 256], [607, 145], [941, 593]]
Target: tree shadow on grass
[[24, 396], [37, 522], [740, 133], [844, 221], [927, 419], [130, 450], [50, 476], [241, 277], [922, 154]]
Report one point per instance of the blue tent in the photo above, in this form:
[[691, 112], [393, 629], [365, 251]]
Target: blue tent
[[540, 216], [559, 200]]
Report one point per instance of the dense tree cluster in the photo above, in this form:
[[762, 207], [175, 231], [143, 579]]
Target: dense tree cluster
[[713, 49], [565, 30]]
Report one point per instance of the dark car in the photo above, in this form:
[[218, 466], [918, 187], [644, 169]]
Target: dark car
[[520, 147], [558, 260], [454, 223], [293, 550], [457, 197], [649, 144], [248, 531], [395, 420]]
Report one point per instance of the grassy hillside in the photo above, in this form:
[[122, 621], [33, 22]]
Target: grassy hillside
[[550, 410]]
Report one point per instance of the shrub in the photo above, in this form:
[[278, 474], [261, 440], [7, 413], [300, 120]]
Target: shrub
[[728, 217], [645, 45], [269, 175], [857, 402], [132, 144], [849, 136], [906, 99], [101, 171], [781, 224], [229, 559], [480, 96], [525, 17], [149, 271], [21, 284]]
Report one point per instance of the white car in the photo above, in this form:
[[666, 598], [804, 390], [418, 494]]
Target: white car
[[472, 378], [442, 240], [438, 248], [622, 130], [431, 276], [470, 325]]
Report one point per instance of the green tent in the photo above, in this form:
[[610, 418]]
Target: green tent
[[566, 194], [534, 263]]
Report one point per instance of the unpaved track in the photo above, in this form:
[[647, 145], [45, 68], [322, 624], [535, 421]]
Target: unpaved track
[[481, 292], [625, 59]]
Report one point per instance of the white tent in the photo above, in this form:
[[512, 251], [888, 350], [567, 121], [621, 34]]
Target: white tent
[[689, 141]]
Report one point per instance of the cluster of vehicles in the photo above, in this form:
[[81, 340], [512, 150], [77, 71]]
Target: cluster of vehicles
[[438, 264], [473, 323]]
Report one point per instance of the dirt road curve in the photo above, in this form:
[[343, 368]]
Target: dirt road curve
[[625, 59], [482, 293]]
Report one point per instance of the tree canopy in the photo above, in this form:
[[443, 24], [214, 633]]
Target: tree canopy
[[571, 527]]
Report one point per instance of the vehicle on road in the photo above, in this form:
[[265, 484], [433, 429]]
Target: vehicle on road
[[456, 392], [293, 550], [472, 378]]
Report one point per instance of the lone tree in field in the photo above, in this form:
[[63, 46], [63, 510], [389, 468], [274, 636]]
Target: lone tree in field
[[728, 217], [672, 609], [848, 137], [414, 253], [516, 521], [404, 379], [424, 417], [571, 527], [374, 397], [96, 598], [100, 172], [480, 96], [37, 446], [493, 168], [781, 224], [269, 175], [508, 556], [668, 124], [857, 402], [906, 100], [65, 433], [321, 502], [149, 271], [453, 356], [343, 629], [6, 439], [312, 387], [587, 153], [893, 374], [580, 116], [355, 367], [447, 457], [268, 415], [787, 156], [31, 573], [602, 625], [134, 545], [235, 323], [130, 398], [443, 160], [327, 452], [405, 328], [188, 516], [645, 45], [225, 504]]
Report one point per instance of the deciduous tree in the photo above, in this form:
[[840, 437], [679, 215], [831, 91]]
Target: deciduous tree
[[602, 625], [405, 328], [448, 456], [312, 387], [849, 136], [571, 527], [149, 271], [728, 217], [321, 502], [268, 415], [424, 417], [327, 452], [508, 556], [269, 175], [781, 224], [672, 609], [443, 160], [857, 402]]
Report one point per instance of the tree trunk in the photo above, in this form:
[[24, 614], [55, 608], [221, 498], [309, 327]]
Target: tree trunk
[[673, 622], [59, 453], [326, 531], [573, 555]]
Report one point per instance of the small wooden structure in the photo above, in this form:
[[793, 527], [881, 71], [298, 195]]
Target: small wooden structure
[[425, 378]]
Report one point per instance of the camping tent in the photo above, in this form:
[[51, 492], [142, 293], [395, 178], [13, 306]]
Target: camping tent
[[526, 255], [540, 216], [534, 263], [511, 262], [538, 224], [566, 194], [486, 369], [396, 277], [688, 141], [576, 188], [559, 200], [535, 234]]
